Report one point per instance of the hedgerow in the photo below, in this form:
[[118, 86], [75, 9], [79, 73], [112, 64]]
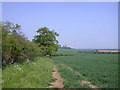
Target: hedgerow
[[63, 54], [15, 46]]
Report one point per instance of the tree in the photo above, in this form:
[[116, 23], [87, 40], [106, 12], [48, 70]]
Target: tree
[[46, 40], [0, 44], [64, 47], [11, 35]]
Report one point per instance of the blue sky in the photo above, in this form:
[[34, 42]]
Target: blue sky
[[80, 24]]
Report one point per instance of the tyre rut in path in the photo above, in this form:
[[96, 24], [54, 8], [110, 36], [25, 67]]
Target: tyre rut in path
[[84, 81], [59, 80]]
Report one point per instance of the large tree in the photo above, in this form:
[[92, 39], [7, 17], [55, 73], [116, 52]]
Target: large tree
[[46, 39]]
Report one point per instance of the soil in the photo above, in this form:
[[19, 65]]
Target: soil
[[90, 85], [59, 80]]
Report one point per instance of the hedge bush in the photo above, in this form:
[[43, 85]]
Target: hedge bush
[[15, 46]]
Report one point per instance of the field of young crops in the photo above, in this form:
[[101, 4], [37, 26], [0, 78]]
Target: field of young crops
[[99, 69]]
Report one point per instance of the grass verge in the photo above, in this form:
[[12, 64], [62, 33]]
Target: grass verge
[[35, 74]]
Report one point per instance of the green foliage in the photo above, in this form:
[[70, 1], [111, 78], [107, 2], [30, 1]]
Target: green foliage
[[33, 74], [68, 51], [1, 79], [15, 46], [0, 57], [46, 40], [64, 47], [62, 54], [100, 69]]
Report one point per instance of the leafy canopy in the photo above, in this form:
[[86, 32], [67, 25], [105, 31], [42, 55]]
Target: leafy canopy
[[46, 40]]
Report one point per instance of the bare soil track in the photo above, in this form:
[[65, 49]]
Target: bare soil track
[[59, 80]]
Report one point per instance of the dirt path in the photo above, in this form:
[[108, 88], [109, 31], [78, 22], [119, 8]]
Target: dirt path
[[59, 80], [90, 85], [84, 81]]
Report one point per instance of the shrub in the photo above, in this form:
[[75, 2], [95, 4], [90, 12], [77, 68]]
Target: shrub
[[15, 46]]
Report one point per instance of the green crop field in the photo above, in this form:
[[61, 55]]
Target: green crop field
[[100, 69]]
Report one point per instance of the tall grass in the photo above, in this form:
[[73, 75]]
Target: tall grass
[[35, 74]]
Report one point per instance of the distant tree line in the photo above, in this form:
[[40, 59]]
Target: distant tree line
[[64, 47], [17, 48]]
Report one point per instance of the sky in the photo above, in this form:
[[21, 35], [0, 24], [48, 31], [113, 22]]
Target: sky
[[81, 25]]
